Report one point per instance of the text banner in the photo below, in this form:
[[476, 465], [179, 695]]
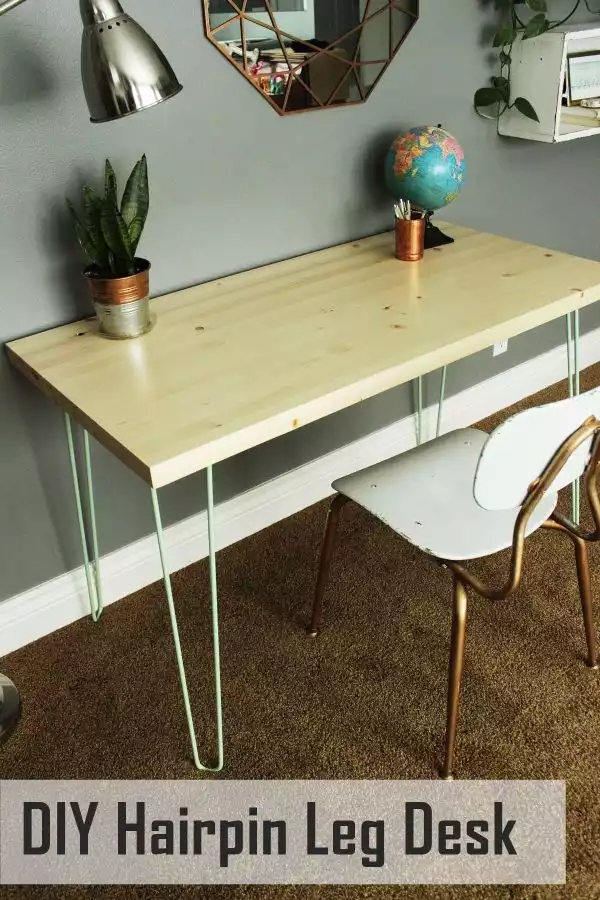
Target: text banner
[[282, 832]]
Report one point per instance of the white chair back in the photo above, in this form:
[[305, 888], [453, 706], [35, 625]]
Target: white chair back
[[518, 451]]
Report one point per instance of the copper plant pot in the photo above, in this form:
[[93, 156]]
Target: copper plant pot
[[410, 239], [122, 305]]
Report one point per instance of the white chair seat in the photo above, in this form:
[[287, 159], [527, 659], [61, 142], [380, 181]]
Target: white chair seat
[[426, 495]]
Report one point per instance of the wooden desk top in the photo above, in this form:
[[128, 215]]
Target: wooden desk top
[[238, 361]]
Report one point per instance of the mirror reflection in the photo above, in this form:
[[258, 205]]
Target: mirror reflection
[[310, 54]]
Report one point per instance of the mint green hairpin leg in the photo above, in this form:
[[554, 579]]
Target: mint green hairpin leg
[[440, 413], [92, 568], [419, 420], [576, 387], [438, 429], [215, 625], [573, 376]]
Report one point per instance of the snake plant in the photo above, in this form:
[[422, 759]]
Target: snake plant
[[109, 233]]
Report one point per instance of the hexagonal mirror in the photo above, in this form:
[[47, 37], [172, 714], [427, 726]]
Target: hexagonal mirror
[[310, 54]]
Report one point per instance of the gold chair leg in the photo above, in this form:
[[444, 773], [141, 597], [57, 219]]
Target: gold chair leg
[[457, 652], [325, 562], [585, 590]]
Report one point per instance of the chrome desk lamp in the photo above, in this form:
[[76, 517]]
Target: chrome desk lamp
[[123, 71]]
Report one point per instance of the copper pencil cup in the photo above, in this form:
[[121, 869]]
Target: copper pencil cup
[[410, 239]]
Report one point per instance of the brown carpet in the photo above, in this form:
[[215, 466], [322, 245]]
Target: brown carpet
[[366, 700]]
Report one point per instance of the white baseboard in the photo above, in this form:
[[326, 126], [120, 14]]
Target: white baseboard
[[54, 604]]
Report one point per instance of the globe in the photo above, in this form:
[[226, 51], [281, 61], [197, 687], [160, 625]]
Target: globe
[[425, 166]]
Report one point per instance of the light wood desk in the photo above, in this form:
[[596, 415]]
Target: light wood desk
[[243, 359]]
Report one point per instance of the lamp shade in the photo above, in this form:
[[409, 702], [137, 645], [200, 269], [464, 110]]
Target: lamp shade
[[122, 69]]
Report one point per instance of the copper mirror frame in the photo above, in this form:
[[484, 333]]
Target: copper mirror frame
[[316, 69]]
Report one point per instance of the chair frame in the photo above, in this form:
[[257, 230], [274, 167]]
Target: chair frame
[[463, 579]]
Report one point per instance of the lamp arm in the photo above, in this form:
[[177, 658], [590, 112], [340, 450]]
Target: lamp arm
[[8, 4]]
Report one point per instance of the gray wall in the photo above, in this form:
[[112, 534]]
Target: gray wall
[[219, 156]]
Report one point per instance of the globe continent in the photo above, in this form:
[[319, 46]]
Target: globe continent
[[426, 166]]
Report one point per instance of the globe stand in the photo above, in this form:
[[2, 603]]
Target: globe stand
[[433, 236]]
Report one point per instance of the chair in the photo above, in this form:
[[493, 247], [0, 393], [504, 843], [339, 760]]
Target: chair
[[467, 495]]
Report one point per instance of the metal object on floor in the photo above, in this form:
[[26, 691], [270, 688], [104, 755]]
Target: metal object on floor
[[10, 707], [91, 561], [573, 378], [203, 767]]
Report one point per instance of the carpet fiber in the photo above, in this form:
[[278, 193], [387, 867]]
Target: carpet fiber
[[365, 700]]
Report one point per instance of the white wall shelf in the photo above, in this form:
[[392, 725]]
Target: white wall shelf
[[538, 73]]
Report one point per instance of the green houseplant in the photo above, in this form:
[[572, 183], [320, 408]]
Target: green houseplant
[[521, 20], [109, 233]]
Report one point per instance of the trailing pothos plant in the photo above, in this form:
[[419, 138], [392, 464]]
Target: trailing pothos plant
[[109, 232], [522, 20]]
